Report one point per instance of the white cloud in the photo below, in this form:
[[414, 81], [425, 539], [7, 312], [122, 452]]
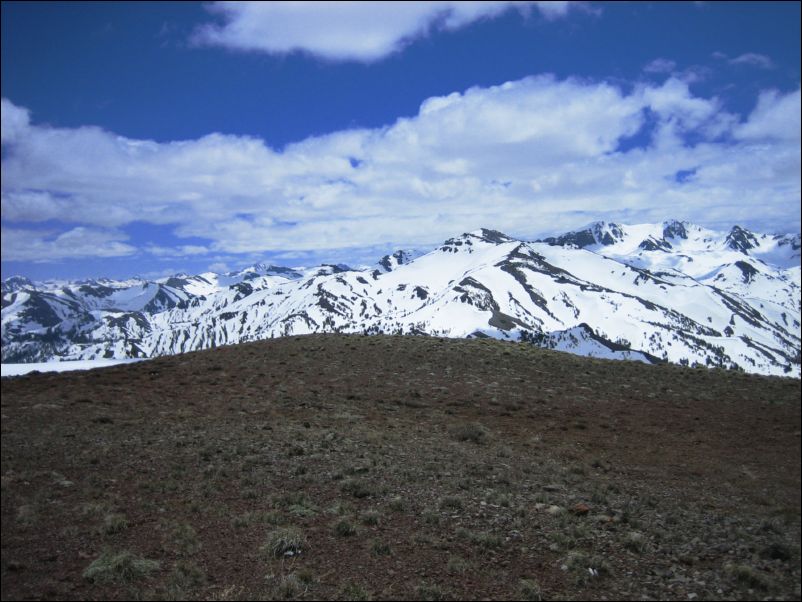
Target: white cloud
[[22, 244], [219, 268], [751, 59], [681, 112], [660, 65], [14, 121], [536, 155], [776, 117], [360, 31], [754, 60], [176, 252]]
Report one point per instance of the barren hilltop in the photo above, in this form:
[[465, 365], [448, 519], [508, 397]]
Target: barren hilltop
[[388, 467]]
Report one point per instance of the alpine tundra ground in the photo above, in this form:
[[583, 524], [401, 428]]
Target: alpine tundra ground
[[354, 467]]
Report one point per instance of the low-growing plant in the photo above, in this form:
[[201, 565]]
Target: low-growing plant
[[122, 567], [90, 508], [529, 589], [560, 540], [370, 517], [183, 539], [340, 508], [305, 576], [482, 539], [457, 565], [302, 510], [113, 523], [286, 541], [288, 587], [27, 515], [295, 498], [635, 541], [344, 527], [430, 517], [353, 591], [473, 432], [357, 488], [431, 591], [186, 574], [397, 504], [242, 520], [379, 548], [749, 576], [500, 499], [585, 567], [451, 502]]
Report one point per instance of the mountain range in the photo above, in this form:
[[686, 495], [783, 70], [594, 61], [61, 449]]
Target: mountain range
[[671, 291]]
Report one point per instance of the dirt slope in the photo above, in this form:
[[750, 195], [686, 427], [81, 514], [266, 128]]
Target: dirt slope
[[355, 467]]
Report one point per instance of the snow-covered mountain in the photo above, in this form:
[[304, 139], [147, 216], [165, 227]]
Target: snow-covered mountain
[[671, 291]]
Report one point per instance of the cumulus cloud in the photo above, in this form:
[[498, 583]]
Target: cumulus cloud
[[360, 31], [533, 156], [776, 117], [14, 121]]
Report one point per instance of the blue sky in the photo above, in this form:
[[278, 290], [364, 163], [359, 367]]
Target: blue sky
[[149, 138]]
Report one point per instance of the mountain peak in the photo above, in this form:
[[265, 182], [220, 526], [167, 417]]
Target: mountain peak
[[268, 269], [675, 229], [390, 262], [597, 233], [15, 283], [467, 240], [491, 236], [741, 239]]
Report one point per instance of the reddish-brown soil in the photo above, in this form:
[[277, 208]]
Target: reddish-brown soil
[[410, 467]]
